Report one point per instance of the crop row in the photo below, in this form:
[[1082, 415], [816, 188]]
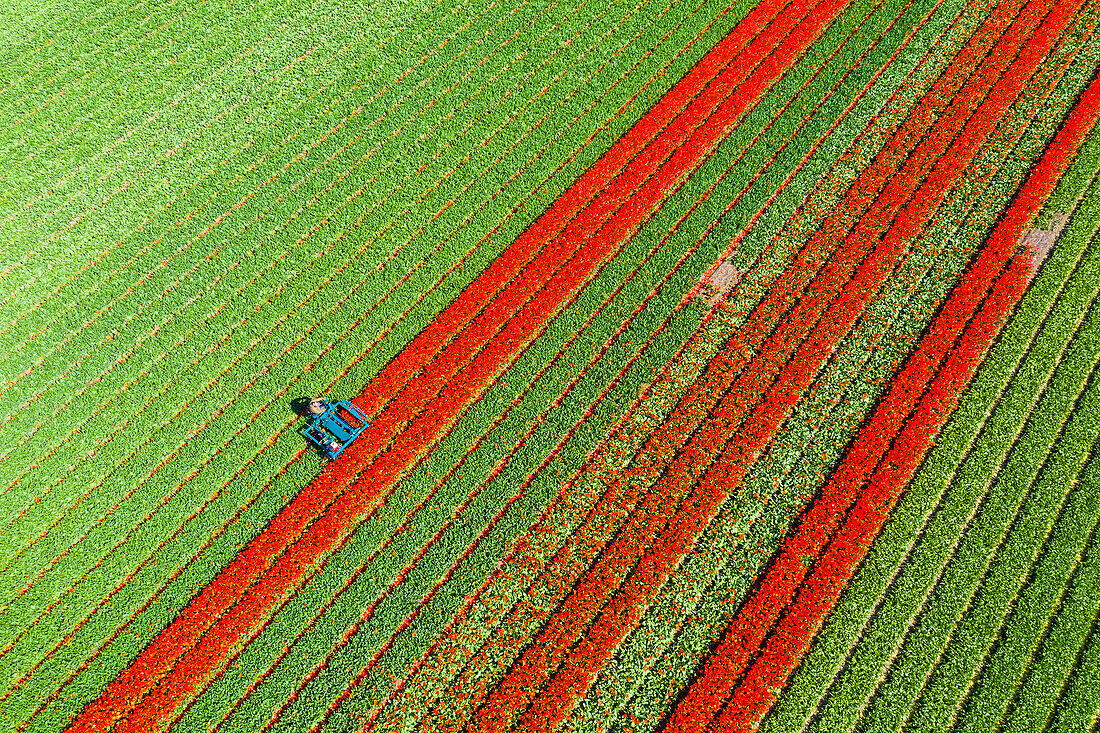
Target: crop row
[[114, 162], [61, 92], [792, 703], [510, 574], [781, 464], [593, 648], [392, 461], [294, 44], [977, 690], [493, 525], [1029, 531], [769, 671], [1059, 689], [980, 549], [869, 593]]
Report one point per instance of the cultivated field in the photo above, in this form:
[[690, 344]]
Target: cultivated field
[[730, 365]]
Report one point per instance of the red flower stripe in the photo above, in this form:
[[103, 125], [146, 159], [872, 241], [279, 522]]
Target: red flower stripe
[[185, 405], [756, 693], [125, 692], [745, 633], [579, 213], [817, 595], [680, 51], [539, 644], [539, 659]]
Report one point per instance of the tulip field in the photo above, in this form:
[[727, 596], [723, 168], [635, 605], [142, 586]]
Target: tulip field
[[730, 365]]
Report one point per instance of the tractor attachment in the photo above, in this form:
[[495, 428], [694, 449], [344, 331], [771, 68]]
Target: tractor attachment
[[334, 426]]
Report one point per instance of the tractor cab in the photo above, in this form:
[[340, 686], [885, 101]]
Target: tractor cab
[[335, 425]]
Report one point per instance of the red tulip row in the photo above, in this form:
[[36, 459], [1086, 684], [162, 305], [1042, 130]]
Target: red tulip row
[[556, 700], [518, 549], [489, 478], [636, 310], [521, 170], [541, 657], [469, 601], [366, 670], [124, 693], [877, 468], [253, 345], [665, 137]]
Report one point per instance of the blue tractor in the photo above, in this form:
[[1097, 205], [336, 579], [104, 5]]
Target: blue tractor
[[335, 425]]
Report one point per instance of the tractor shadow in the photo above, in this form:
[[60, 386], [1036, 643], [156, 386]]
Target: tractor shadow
[[300, 406]]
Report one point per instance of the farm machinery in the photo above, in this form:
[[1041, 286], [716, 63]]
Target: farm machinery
[[335, 425]]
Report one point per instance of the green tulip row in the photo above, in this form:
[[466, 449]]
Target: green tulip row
[[340, 354], [461, 446], [735, 540], [473, 623], [854, 651]]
